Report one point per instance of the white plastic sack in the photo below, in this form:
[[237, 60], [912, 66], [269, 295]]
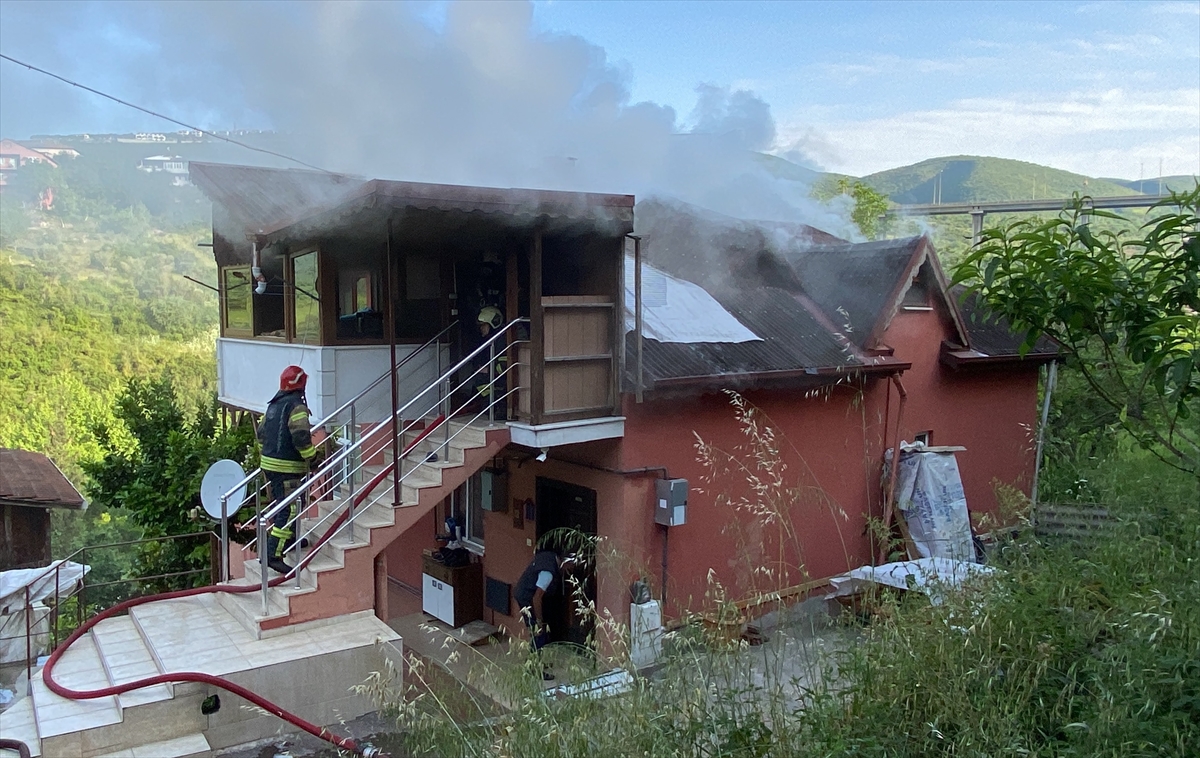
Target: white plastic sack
[[674, 310], [926, 575], [41, 583], [929, 494], [13, 647]]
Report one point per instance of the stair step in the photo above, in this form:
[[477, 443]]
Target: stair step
[[80, 668], [188, 746], [20, 723], [126, 658]]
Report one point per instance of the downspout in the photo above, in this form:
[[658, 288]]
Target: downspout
[[637, 300], [396, 492], [256, 269], [1051, 380], [889, 501]]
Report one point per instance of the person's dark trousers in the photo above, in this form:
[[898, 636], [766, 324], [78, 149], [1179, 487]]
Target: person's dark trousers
[[536, 641], [280, 536]]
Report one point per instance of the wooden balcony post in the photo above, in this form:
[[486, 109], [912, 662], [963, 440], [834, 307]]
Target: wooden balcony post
[[537, 338]]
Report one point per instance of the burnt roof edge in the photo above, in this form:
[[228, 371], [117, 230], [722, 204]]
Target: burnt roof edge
[[718, 380]]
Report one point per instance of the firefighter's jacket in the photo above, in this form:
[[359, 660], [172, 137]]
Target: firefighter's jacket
[[286, 435]]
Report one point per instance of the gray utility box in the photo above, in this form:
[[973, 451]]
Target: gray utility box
[[670, 507]]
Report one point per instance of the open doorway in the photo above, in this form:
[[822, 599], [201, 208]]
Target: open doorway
[[561, 505]]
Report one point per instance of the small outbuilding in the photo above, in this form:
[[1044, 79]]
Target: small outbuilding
[[30, 485]]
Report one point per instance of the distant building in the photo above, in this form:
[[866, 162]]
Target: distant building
[[51, 148], [172, 164], [30, 485], [14, 155]]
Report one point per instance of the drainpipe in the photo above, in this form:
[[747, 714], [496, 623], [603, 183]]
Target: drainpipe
[[256, 269], [637, 300], [889, 501], [391, 329], [1051, 380]]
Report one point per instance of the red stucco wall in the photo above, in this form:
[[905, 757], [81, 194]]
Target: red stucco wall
[[831, 445], [991, 411]]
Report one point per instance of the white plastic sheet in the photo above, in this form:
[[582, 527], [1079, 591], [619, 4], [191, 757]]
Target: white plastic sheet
[[16, 619], [929, 494], [929, 576], [674, 310]]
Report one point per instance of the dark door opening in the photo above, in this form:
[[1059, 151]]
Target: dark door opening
[[568, 506]]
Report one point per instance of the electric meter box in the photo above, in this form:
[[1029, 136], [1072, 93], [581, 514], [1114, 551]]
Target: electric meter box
[[670, 508]]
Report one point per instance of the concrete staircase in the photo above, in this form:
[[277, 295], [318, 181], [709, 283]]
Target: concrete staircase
[[308, 673], [162, 721], [341, 578]]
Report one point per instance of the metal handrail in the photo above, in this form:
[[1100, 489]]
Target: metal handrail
[[253, 475], [305, 560], [327, 467], [269, 514], [83, 586], [330, 416]]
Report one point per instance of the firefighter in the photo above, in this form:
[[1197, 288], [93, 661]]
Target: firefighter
[[287, 453], [490, 318]]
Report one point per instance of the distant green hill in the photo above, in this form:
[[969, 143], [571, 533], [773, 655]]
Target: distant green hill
[[1180, 183], [965, 178]]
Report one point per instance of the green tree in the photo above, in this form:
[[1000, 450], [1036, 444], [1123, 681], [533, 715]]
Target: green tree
[[156, 480], [870, 206], [1124, 307]]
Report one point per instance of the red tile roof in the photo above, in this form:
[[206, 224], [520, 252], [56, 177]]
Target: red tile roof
[[32, 479]]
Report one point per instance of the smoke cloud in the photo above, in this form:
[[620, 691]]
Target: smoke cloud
[[479, 96]]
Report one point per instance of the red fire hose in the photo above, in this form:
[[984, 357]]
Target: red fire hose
[[192, 676]]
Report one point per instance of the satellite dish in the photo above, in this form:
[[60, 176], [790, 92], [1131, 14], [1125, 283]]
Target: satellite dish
[[219, 479]]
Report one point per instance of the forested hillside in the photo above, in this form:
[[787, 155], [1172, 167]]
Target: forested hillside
[[964, 178], [92, 293]]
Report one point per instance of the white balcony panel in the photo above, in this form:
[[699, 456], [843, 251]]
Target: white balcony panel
[[248, 374]]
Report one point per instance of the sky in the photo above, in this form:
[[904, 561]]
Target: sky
[[1103, 89]]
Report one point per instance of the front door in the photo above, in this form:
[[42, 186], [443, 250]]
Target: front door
[[568, 506]]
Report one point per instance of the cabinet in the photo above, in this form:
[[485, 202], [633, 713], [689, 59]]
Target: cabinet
[[454, 596]]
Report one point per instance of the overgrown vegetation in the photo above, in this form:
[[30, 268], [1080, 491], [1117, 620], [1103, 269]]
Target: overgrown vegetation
[[1125, 309], [93, 297]]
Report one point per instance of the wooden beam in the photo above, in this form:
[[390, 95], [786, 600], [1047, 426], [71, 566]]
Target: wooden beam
[[536, 332], [512, 307]]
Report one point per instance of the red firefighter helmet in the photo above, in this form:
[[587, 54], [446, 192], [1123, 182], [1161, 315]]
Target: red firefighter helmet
[[292, 378]]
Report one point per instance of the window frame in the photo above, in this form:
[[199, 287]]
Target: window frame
[[293, 293], [226, 329]]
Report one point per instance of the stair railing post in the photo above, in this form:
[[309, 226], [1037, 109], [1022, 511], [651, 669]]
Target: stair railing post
[[262, 560], [492, 381], [224, 538]]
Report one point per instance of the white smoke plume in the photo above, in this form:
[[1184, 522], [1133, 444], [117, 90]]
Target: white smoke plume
[[481, 97]]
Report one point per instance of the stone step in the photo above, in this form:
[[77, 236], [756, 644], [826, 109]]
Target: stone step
[[80, 668], [19, 723], [188, 746], [127, 658], [246, 607]]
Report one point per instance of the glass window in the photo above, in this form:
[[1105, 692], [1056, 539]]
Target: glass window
[[475, 509], [306, 303], [237, 285]]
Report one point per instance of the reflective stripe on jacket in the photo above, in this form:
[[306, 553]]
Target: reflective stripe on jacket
[[286, 435]]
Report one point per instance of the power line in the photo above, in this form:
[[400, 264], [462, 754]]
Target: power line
[[53, 75]]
